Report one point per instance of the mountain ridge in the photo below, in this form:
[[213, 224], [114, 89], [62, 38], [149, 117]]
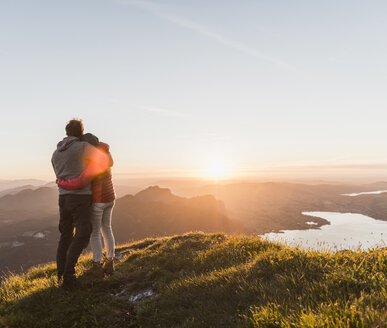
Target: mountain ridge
[[151, 213]]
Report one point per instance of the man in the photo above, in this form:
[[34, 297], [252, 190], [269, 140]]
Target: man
[[69, 160]]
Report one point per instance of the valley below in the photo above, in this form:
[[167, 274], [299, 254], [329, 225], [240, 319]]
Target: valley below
[[29, 216]]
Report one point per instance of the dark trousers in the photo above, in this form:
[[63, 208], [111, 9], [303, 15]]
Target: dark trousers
[[75, 212]]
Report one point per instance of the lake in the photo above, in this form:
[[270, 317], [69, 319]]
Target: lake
[[378, 192], [345, 231]]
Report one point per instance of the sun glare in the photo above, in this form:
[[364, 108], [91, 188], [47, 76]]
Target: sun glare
[[216, 170]]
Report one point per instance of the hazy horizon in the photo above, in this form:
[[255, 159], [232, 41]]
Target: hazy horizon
[[146, 179]]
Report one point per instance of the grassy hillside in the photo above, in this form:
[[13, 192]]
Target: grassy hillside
[[208, 280]]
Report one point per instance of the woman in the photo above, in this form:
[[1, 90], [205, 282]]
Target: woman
[[103, 203]]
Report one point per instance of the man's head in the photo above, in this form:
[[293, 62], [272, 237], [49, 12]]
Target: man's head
[[74, 128]]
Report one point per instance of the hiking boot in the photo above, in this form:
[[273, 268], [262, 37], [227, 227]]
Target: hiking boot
[[108, 266], [95, 271], [71, 283]]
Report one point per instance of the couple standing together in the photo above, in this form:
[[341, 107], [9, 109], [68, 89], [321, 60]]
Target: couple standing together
[[86, 200]]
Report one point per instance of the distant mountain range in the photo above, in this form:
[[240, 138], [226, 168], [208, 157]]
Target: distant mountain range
[[154, 211], [11, 184], [29, 204], [15, 190], [157, 212], [266, 207]]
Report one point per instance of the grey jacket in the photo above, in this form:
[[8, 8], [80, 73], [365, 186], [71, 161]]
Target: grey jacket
[[70, 159]]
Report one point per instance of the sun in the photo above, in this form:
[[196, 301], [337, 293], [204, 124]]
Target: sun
[[216, 170]]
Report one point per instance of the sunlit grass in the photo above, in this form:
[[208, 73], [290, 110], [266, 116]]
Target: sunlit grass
[[209, 280]]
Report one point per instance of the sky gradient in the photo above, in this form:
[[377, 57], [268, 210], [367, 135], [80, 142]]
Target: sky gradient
[[174, 86]]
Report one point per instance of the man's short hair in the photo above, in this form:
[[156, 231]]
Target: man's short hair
[[74, 128]]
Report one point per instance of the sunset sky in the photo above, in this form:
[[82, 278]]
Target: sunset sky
[[191, 87]]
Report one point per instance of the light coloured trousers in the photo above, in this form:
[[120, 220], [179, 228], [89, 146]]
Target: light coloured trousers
[[102, 220]]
